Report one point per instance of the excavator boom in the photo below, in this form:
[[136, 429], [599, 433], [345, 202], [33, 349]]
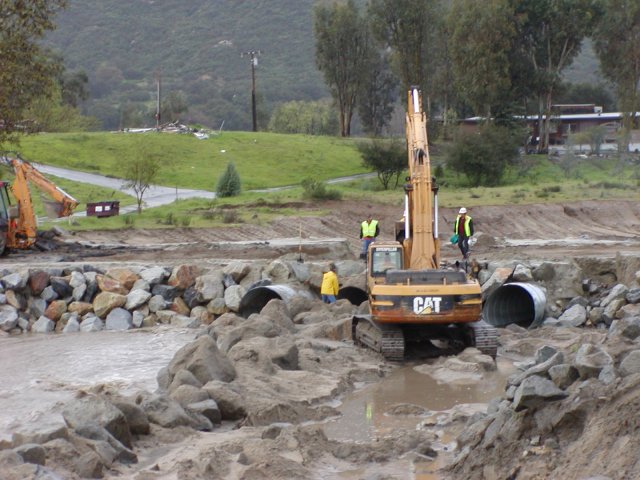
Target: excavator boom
[[417, 300], [21, 222]]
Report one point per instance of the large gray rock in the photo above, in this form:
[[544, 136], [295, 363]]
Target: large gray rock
[[137, 298], [8, 317], [619, 291], [157, 303], [154, 275], [590, 360], [98, 411], [43, 325], [210, 286], [16, 280], [168, 413], [575, 316], [91, 324], [208, 408], [630, 364], [203, 359], [535, 391], [232, 297], [563, 375], [186, 394], [119, 319], [278, 271], [136, 418], [628, 327], [237, 270], [231, 402]]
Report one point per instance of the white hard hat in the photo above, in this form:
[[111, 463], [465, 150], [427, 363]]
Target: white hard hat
[[463, 210]]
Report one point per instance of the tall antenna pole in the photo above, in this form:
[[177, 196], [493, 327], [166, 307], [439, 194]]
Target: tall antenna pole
[[158, 82], [253, 56]]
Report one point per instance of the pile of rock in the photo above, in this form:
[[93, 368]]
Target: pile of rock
[[572, 396], [84, 298]]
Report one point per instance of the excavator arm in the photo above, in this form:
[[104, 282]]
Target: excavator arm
[[22, 227]]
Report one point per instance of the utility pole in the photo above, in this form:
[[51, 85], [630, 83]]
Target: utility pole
[[253, 56], [158, 82]]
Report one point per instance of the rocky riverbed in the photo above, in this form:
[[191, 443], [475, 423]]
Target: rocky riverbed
[[262, 397]]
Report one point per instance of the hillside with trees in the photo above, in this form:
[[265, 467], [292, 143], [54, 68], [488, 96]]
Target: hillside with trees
[[196, 50]]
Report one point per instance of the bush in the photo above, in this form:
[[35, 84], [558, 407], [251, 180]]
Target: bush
[[229, 182], [484, 157], [317, 190]]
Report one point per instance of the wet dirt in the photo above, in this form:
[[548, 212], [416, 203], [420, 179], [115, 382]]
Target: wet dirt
[[546, 231]]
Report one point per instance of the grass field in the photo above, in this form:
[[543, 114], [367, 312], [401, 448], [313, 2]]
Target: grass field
[[266, 160]]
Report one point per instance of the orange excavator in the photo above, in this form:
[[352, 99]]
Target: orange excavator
[[18, 223], [412, 297]]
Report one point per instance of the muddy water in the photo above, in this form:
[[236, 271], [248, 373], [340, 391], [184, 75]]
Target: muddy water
[[40, 372], [366, 412]]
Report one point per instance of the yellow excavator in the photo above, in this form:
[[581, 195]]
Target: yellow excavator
[[18, 223], [412, 299]]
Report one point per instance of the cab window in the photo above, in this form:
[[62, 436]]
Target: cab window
[[386, 260]]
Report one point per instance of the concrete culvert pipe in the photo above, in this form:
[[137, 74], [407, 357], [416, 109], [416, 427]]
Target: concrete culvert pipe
[[355, 295], [256, 298], [519, 303]]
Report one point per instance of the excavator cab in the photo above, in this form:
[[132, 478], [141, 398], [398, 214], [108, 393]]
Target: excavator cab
[[385, 258]]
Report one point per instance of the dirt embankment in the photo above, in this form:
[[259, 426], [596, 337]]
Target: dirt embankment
[[551, 231]]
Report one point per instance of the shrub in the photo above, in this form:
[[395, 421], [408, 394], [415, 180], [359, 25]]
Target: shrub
[[317, 190], [229, 182]]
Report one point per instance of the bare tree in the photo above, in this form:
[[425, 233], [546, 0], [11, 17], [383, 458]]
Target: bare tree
[[140, 172]]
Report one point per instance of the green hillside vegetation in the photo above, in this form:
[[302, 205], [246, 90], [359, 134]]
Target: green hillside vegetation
[[196, 48]]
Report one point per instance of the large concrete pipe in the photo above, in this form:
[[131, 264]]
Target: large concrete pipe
[[355, 295], [257, 297], [519, 303]]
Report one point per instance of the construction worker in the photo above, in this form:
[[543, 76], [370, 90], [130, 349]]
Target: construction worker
[[329, 288], [464, 229], [369, 230]]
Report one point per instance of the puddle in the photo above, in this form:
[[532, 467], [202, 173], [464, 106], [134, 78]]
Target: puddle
[[40, 372], [366, 413]]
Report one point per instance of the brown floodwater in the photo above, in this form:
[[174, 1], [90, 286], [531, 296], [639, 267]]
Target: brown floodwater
[[39, 372]]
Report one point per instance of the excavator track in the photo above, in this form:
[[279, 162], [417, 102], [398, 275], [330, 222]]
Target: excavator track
[[385, 339], [485, 338]]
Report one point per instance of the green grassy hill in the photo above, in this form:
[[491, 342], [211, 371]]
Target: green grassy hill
[[263, 160]]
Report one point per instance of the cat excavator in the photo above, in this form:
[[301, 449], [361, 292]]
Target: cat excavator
[[412, 298], [18, 223]]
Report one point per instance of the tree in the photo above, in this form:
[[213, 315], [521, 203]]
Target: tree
[[387, 157], [551, 34], [483, 158], [173, 105], [26, 71], [377, 94], [617, 44], [140, 171], [311, 118], [342, 44], [229, 183], [482, 35], [50, 113], [411, 29]]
